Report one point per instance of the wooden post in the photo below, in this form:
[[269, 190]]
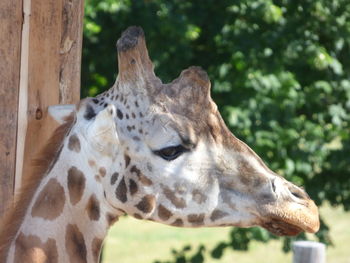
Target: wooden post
[[39, 67], [53, 70], [10, 50], [308, 252]]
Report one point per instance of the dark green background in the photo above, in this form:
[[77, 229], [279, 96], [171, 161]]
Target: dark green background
[[279, 72]]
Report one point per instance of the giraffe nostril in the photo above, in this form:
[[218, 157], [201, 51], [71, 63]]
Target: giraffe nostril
[[273, 186], [298, 192], [297, 195]]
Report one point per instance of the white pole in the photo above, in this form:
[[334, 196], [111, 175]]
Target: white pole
[[308, 252]]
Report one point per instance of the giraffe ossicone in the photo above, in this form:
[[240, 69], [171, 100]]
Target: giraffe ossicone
[[155, 151]]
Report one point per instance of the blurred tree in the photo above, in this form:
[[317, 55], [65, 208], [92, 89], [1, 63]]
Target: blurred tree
[[280, 74]]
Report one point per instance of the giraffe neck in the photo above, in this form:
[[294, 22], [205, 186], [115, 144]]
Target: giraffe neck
[[68, 216]]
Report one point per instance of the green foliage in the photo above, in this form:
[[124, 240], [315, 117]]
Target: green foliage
[[280, 74], [183, 257]]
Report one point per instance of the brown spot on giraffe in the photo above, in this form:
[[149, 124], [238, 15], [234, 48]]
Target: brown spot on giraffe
[[102, 171], [75, 244], [136, 138], [133, 188], [248, 175], [138, 216], [30, 249], [90, 112], [164, 213], [93, 208], [96, 248], [178, 222], [97, 178], [217, 214], [258, 181], [92, 163], [196, 219], [198, 196], [111, 219], [50, 202], [121, 191], [180, 188], [127, 160], [149, 167], [178, 202], [74, 143], [119, 114], [147, 204], [143, 179], [114, 178], [76, 184]]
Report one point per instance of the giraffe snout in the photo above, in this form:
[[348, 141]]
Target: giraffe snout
[[291, 212]]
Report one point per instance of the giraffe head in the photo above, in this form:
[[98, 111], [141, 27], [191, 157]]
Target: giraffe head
[[178, 162]]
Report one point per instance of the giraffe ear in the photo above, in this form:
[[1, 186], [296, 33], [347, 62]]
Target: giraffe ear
[[190, 93], [102, 131], [193, 84], [61, 112]]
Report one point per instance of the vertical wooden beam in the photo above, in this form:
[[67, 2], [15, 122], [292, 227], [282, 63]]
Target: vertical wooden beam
[[71, 51], [54, 58], [23, 93], [10, 39]]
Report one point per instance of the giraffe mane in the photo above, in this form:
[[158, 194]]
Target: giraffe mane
[[15, 212]]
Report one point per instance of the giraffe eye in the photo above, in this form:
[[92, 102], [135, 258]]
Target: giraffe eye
[[171, 153]]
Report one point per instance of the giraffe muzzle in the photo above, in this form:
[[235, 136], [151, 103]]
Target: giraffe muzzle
[[291, 213]]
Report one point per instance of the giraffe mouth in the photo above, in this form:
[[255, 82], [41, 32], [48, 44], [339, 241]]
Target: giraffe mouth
[[291, 219], [281, 228]]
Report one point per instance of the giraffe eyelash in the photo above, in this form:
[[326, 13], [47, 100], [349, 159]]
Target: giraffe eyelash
[[171, 153]]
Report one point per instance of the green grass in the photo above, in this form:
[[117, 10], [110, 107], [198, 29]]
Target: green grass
[[135, 241]]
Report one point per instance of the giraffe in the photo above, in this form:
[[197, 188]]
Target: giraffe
[[154, 151]]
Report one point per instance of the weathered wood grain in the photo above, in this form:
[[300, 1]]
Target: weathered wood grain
[[10, 39], [70, 51]]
